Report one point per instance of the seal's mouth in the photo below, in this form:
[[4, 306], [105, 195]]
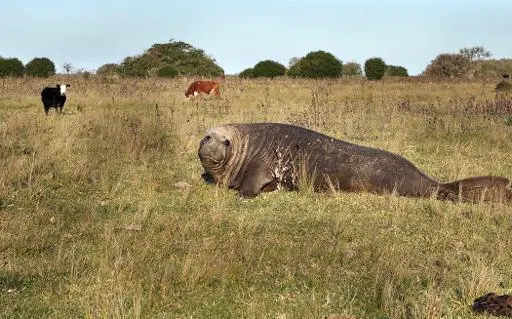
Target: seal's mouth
[[208, 159]]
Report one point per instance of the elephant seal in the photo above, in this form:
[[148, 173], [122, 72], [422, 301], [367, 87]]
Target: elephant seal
[[259, 157]]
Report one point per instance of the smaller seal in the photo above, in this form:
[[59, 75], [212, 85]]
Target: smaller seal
[[494, 305]]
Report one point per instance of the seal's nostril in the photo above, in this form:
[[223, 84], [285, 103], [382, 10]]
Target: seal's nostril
[[205, 139]]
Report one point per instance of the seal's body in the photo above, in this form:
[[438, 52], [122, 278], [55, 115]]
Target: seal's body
[[257, 157]]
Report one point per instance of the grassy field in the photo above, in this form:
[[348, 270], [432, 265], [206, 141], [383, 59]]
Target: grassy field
[[103, 213]]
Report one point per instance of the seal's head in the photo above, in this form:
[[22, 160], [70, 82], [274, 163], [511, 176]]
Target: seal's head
[[215, 151]]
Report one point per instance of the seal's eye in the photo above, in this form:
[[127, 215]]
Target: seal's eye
[[207, 138], [226, 142]]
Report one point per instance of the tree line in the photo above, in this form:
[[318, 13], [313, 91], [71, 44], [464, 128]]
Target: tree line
[[321, 64], [40, 67], [467, 63], [177, 58]]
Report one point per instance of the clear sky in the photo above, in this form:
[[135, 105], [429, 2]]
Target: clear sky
[[238, 34]]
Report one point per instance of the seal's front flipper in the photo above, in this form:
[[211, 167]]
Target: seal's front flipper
[[208, 178], [256, 179]]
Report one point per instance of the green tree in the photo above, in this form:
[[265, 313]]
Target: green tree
[[186, 59], [293, 61], [318, 64], [449, 65], [396, 70], [67, 67], [294, 70], [475, 55], [374, 68], [40, 67], [269, 69], [247, 73], [11, 67], [352, 69], [137, 66], [168, 71], [109, 68]]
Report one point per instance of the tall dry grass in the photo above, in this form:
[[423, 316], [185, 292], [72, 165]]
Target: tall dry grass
[[103, 213]]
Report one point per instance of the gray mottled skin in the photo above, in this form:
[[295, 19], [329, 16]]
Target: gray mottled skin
[[257, 157]]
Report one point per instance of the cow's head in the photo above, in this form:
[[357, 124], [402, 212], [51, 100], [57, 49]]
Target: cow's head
[[62, 88]]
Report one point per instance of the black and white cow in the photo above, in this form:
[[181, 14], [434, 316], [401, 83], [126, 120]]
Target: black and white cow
[[54, 97]]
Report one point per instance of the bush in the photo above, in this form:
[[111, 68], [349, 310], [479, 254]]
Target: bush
[[136, 66], [448, 65], [293, 61], [318, 64], [294, 70], [41, 67], [11, 67], [184, 57], [247, 73], [374, 68], [168, 71], [396, 70], [268, 69], [108, 69], [352, 69], [495, 68], [504, 86]]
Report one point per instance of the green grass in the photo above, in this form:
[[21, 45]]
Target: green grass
[[93, 225]]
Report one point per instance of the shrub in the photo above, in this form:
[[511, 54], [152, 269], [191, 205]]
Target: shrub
[[109, 68], [504, 86], [247, 73], [396, 70], [374, 68], [449, 65], [135, 66], [184, 57], [494, 67], [318, 64], [41, 67], [294, 70], [268, 69], [293, 61], [85, 74], [168, 71], [352, 69], [11, 67]]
